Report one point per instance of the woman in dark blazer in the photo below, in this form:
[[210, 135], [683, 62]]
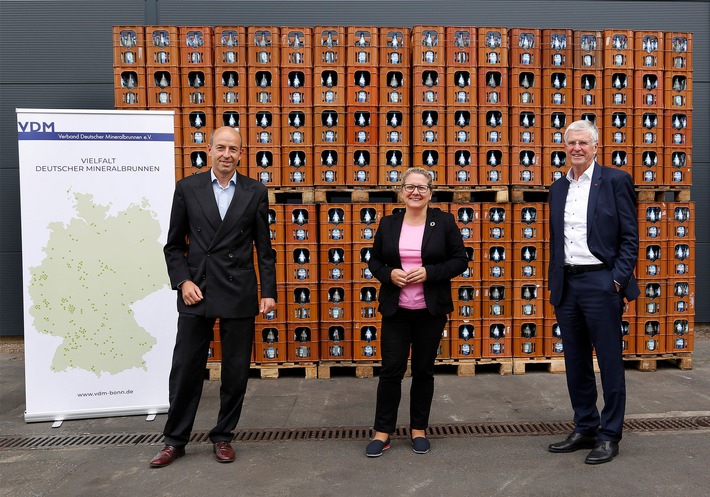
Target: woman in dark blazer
[[416, 253]]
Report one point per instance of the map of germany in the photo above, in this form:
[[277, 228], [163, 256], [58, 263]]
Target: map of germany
[[95, 268]]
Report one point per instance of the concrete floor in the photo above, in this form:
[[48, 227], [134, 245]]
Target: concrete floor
[[650, 464]]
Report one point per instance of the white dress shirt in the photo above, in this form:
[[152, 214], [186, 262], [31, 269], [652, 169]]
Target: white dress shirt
[[576, 249]]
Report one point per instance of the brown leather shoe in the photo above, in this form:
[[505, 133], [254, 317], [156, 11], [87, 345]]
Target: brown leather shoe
[[224, 452], [167, 455]]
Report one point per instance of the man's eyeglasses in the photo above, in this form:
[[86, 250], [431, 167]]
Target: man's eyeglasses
[[580, 143], [422, 189]]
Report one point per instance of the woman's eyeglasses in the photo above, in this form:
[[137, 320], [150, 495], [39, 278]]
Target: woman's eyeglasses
[[422, 189]]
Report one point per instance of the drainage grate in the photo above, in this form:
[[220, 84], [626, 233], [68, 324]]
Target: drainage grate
[[267, 435]]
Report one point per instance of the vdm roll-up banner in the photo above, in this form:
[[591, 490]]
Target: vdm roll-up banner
[[96, 189]]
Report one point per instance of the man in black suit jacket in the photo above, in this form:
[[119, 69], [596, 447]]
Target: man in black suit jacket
[[223, 215], [593, 250]]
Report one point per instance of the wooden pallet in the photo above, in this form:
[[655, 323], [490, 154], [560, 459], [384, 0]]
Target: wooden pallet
[[648, 363], [658, 194], [520, 194], [385, 194], [268, 371], [464, 195], [467, 367], [554, 364], [360, 369], [287, 195]]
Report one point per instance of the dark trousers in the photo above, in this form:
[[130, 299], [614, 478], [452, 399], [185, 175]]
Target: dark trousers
[[188, 375], [421, 331], [589, 316]]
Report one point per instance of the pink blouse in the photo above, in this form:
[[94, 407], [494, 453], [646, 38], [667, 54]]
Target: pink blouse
[[410, 253]]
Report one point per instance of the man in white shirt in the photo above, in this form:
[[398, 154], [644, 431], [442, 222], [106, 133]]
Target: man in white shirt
[[593, 250], [224, 216]]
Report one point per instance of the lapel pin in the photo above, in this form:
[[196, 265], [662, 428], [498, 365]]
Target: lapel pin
[[432, 223]]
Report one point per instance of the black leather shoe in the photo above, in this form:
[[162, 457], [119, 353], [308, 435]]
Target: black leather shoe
[[603, 451], [574, 441]]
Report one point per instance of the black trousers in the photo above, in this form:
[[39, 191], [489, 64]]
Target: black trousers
[[187, 375], [589, 316], [420, 331]]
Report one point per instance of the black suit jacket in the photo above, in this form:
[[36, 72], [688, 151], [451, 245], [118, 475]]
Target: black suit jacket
[[443, 257], [612, 229], [220, 254]]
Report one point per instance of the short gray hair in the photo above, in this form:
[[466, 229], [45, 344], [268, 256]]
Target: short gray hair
[[586, 126]]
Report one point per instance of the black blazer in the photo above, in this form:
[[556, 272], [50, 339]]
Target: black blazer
[[612, 229], [220, 255], [443, 257]]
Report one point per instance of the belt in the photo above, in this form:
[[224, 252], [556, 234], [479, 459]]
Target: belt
[[572, 269]]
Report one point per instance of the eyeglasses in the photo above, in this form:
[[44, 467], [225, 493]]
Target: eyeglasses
[[422, 189], [582, 144]]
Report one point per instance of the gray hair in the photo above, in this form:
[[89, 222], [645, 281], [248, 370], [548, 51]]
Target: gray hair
[[586, 126]]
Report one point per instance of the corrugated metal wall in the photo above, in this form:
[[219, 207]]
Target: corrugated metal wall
[[58, 54]]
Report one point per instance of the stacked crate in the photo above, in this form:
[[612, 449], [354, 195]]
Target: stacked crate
[[336, 288], [648, 108], [652, 280], [329, 101], [588, 77], [129, 67], [680, 291], [265, 161], [529, 298], [496, 280], [493, 104], [590, 93], [335, 106], [617, 125], [677, 101], [292, 331], [301, 294], [462, 107], [394, 104], [163, 67], [163, 90], [465, 327], [526, 138], [365, 288], [297, 88], [579, 64], [552, 335], [197, 84], [362, 97], [666, 274], [231, 82], [429, 100], [557, 57], [558, 113], [365, 326], [270, 329]]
